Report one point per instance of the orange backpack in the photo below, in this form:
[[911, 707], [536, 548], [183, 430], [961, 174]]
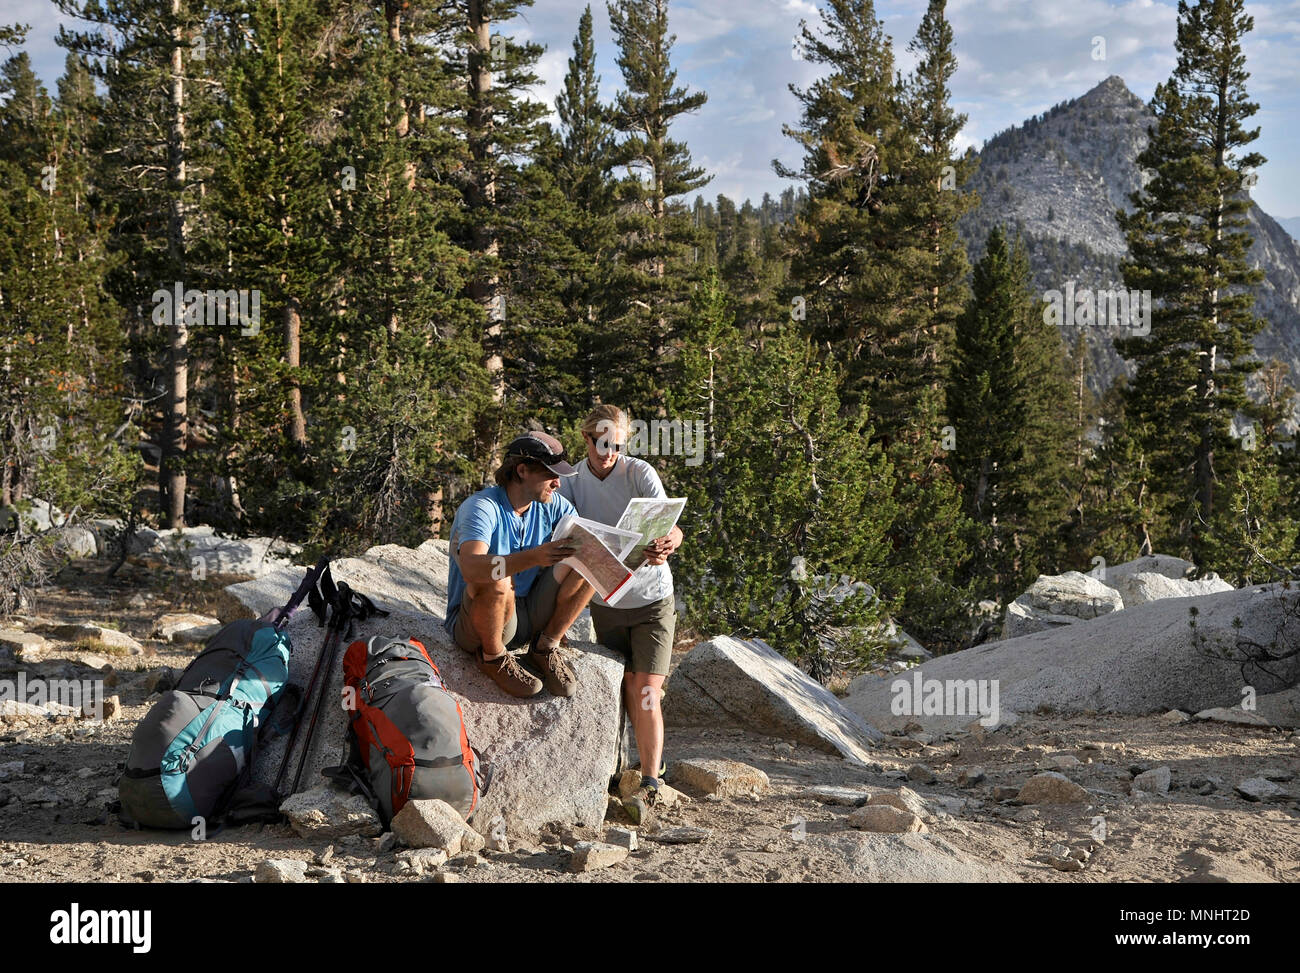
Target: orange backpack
[[408, 731]]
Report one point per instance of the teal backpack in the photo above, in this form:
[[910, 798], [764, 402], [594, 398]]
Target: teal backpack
[[194, 750]]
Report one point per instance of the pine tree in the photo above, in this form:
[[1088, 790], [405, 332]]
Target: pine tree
[[1012, 440], [61, 384], [394, 430], [863, 264], [584, 177], [788, 507], [1187, 248], [937, 180], [153, 136], [271, 224], [656, 257]]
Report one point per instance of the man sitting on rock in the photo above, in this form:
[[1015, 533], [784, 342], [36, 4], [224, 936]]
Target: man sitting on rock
[[505, 585]]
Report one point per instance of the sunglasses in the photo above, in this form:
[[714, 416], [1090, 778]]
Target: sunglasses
[[608, 447]]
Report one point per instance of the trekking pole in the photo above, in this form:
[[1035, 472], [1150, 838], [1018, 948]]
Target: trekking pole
[[297, 724], [342, 616], [319, 604]]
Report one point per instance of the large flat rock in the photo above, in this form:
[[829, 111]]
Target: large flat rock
[[399, 577], [1141, 660], [551, 758], [749, 684]]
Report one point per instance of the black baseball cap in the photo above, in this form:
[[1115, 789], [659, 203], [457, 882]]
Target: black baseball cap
[[545, 449]]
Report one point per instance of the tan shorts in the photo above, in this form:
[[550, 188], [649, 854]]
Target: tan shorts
[[643, 635], [530, 616]]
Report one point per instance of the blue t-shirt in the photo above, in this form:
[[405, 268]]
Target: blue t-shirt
[[488, 516]]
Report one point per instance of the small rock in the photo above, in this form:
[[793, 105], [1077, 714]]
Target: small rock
[[681, 836], [591, 855], [623, 837], [1153, 781], [921, 774], [885, 819], [435, 824], [829, 794], [185, 627], [1062, 761], [281, 871], [1173, 716], [17, 708], [421, 860], [86, 772], [1066, 864], [905, 799], [109, 710], [44, 795], [1051, 788], [353, 877], [17, 642], [1259, 789], [671, 796], [385, 842], [1232, 714], [443, 878], [629, 783], [726, 778], [110, 637], [1026, 815], [325, 812]]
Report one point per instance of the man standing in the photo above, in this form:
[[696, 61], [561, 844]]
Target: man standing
[[642, 625], [505, 585]]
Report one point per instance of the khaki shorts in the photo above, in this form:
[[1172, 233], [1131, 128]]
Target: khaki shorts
[[530, 616], [643, 635]]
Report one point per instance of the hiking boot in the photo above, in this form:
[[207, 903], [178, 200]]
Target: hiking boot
[[554, 669], [639, 805], [509, 675]]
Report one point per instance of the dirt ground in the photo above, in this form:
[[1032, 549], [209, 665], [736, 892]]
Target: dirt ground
[[54, 826]]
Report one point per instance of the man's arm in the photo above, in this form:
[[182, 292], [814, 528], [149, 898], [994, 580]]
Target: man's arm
[[477, 566]]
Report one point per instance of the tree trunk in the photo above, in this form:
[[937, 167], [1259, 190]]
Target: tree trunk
[[292, 354], [170, 468]]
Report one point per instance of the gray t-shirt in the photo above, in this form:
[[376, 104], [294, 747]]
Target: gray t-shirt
[[604, 502]]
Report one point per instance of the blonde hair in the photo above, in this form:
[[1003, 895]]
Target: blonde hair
[[602, 419]]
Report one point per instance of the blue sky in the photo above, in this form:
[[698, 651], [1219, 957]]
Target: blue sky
[[1017, 58]]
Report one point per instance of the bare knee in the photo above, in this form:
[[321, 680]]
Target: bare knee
[[488, 591], [646, 689], [570, 581]]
